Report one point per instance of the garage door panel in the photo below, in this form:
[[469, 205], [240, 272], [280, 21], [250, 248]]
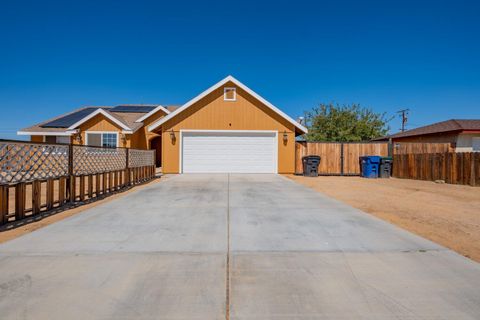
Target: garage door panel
[[244, 152]]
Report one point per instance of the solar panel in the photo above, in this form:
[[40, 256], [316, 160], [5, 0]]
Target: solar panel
[[133, 108], [68, 120]]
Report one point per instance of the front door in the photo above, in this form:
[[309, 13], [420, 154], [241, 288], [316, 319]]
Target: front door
[[156, 144]]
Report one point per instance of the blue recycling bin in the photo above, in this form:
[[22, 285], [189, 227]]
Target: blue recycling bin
[[369, 166]]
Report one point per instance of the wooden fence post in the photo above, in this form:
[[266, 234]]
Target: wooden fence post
[[116, 180], [61, 191], [90, 186], [3, 204], [98, 189], [20, 199], [127, 169], [473, 170], [36, 196], [50, 191], [342, 159], [104, 183], [82, 187], [71, 177], [390, 148]]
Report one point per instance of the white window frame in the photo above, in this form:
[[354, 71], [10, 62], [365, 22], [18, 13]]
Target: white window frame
[[234, 94], [101, 137]]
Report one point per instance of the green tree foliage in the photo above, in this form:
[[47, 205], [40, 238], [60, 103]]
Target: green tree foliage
[[329, 122]]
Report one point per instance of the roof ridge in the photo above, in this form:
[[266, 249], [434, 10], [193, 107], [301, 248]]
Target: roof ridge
[[457, 123]]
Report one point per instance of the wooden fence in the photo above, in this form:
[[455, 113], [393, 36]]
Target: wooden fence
[[338, 158], [39, 177], [414, 147], [455, 168]]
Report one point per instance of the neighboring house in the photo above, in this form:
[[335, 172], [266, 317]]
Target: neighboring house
[[120, 126], [464, 135], [227, 128]]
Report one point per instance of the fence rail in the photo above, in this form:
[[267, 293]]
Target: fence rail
[[338, 158], [454, 168], [39, 177]]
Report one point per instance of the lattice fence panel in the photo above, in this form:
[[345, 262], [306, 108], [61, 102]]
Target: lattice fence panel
[[89, 160], [141, 158], [21, 162]]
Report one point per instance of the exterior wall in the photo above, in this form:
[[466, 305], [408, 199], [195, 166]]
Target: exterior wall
[[213, 113], [465, 142], [141, 138], [431, 138], [462, 141], [101, 123], [42, 139]]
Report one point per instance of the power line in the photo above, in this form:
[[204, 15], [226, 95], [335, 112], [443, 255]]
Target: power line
[[403, 114]]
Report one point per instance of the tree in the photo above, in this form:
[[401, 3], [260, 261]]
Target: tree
[[329, 122]]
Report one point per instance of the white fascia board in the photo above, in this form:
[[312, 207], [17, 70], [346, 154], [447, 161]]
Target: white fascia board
[[43, 133], [216, 86], [146, 116], [96, 112]]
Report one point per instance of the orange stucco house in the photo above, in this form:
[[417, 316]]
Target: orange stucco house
[[227, 128]]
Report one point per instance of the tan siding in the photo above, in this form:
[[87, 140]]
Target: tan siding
[[36, 138], [101, 123], [141, 138], [213, 113]]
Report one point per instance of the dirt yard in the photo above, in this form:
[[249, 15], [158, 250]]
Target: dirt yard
[[446, 214]]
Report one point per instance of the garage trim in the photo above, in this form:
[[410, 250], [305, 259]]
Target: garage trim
[[180, 146]]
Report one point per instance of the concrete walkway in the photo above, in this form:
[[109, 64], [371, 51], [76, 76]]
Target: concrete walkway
[[252, 246]]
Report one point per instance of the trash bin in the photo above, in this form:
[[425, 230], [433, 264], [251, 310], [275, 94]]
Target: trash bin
[[369, 166], [310, 166], [385, 170]]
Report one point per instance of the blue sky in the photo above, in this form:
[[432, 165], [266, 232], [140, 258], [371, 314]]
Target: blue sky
[[387, 55]]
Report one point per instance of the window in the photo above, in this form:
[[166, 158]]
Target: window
[[476, 144], [63, 139], [56, 139], [229, 94], [109, 140], [102, 139]]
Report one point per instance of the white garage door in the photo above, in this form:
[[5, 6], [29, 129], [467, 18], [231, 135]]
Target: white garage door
[[235, 152]]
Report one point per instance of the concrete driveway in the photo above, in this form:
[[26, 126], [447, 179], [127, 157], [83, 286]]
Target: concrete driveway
[[232, 246]]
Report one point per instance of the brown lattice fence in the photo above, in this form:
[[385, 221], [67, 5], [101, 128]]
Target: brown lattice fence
[[39, 177]]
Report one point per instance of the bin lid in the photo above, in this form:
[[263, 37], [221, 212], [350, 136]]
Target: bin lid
[[311, 157], [373, 159]]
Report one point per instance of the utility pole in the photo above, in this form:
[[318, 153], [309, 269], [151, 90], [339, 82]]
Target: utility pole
[[403, 113]]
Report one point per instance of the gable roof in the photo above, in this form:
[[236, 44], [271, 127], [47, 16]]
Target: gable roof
[[108, 115], [161, 121], [124, 118], [451, 125], [158, 108]]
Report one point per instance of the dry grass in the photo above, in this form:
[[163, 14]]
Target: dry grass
[[446, 214]]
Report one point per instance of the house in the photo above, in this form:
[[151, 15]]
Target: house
[[227, 128], [463, 135], [120, 126]]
